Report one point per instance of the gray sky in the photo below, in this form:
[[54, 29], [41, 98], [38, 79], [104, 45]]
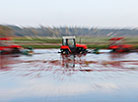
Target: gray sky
[[83, 13]]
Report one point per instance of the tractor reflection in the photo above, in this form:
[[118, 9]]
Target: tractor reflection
[[70, 61], [6, 61]]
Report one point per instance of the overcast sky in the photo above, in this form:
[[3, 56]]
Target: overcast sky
[[83, 13]]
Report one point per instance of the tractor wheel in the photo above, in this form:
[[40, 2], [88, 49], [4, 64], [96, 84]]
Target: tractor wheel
[[121, 50], [113, 50], [82, 51], [65, 52], [126, 49], [1, 52], [15, 50]]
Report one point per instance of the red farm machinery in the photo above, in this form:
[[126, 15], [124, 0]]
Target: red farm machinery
[[7, 47], [117, 45], [69, 46]]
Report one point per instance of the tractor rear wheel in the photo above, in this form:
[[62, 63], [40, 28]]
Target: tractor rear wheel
[[15, 50]]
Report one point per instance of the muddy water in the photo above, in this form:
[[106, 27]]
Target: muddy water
[[49, 76]]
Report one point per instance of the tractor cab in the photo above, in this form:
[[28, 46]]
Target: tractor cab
[[69, 46], [117, 45]]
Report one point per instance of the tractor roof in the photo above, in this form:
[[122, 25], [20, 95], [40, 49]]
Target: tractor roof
[[5, 39], [117, 38], [68, 37]]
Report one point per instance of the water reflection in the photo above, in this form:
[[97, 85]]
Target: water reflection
[[115, 56], [78, 63], [68, 63], [6, 60], [53, 77]]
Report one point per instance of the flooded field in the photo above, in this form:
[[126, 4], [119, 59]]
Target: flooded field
[[48, 76]]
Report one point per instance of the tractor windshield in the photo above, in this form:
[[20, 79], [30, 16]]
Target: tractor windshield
[[71, 42], [119, 42]]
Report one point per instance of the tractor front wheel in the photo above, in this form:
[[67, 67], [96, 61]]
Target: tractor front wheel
[[121, 50], [65, 52]]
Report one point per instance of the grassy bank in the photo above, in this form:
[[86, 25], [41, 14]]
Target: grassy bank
[[54, 42], [41, 46], [58, 46]]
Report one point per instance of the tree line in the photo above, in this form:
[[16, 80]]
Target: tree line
[[12, 30]]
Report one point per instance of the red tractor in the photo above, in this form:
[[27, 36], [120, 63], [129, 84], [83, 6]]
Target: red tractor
[[6, 46], [118, 46], [69, 46]]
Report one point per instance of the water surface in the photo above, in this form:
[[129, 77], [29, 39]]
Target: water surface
[[48, 76]]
